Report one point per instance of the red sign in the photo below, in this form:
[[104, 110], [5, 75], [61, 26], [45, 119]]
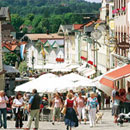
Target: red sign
[[59, 59], [83, 58], [90, 62]]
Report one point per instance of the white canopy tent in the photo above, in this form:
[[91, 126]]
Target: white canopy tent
[[55, 66], [46, 83], [50, 83], [81, 68], [73, 66], [64, 70], [88, 71], [74, 77]]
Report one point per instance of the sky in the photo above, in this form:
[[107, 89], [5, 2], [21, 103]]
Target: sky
[[94, 0]]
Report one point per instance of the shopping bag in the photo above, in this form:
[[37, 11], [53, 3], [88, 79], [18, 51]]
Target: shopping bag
[[63, 111]]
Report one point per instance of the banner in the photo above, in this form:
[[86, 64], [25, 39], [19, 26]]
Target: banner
[[22, 47]]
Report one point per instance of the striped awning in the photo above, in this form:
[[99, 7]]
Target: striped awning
[[110, 78]]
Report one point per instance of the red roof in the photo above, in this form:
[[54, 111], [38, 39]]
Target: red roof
[[99, 21], [77, 26], [12, 45], [90, 23], [108, 79]]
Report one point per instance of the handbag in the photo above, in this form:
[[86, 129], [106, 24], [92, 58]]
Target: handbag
[[63, 111]]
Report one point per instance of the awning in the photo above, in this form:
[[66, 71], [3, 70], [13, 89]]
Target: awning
[[10, 69], [109, 78], [88, 72]]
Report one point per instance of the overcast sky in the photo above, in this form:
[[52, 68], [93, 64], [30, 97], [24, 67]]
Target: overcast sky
[[94, 0]]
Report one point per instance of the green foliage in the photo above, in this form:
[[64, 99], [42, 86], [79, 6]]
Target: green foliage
[[16, 21], [45, 15], [10, 58], [22, 67]]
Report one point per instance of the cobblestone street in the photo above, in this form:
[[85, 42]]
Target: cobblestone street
[[107, 124]]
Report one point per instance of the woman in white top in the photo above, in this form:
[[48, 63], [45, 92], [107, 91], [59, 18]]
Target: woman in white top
[[57, 104], [3, 109], [18, 104], [81, 107]]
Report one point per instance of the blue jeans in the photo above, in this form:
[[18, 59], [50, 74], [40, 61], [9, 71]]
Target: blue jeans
[[4, 122]]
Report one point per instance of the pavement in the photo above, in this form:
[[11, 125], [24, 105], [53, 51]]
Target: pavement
[[107, 124]]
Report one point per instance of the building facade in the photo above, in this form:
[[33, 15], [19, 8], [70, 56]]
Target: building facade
[[121, 56], [122, 30], [4, 16], [43, 49]]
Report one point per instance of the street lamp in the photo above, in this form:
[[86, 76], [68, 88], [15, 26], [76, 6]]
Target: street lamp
[[95, 35]]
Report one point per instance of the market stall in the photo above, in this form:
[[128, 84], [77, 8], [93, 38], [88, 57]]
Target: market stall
[[49, 83]]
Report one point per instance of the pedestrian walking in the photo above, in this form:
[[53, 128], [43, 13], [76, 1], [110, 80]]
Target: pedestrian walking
[[34, 109], [18, 104], [81, 107], [116, 104], [107, 102], [57, 105], [71, 119], [113, 95], [92, 107], [3, 109]]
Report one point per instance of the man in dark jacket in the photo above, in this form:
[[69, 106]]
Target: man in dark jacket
[[34, 108]]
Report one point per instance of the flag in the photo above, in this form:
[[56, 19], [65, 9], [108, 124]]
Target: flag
[[22, 47], [43, 52]]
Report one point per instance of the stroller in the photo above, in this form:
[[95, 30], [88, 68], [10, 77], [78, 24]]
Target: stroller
[[123, 118]]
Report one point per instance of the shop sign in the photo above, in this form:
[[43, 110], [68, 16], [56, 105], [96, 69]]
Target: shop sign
[[123, 45]]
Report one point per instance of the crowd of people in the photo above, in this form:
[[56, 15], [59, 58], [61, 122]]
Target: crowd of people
[[74, 107], [120, 102], [74, 104]]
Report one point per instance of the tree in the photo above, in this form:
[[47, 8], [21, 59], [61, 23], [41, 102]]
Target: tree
[[22, 67], [25, 30], [10, 58], [16, 21]]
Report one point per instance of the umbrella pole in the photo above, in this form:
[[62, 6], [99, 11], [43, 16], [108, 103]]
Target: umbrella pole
[[49, 99]]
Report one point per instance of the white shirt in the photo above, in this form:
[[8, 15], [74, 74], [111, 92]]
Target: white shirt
[[3, 105], [57, 103], [18, 101]]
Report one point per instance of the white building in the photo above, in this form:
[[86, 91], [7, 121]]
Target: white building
[[42, 49]]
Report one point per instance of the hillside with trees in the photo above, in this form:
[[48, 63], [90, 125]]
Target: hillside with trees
[[38, 16]]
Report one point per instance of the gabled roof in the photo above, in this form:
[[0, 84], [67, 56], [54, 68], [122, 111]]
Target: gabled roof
[[100, 21], [53, 43], [11, 46], [65, 29], [43, 41], [77, 26], [46, 44], [43, 36], [90, 23]]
